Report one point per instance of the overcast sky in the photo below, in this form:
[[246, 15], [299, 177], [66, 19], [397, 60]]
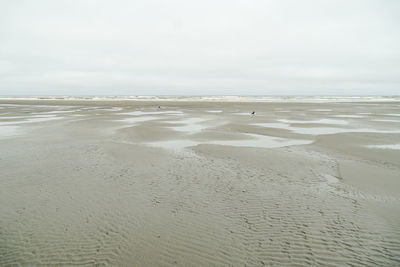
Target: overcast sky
[[207, 47]]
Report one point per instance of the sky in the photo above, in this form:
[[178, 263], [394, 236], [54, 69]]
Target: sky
[[208, 47]]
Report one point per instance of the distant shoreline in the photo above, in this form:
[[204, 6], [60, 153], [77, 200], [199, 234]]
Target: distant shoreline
[[273, 99]]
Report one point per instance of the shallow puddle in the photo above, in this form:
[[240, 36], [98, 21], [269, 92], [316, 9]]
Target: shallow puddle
[[393, 146], [262, 141], [31, 119], [8, 131], [189, 125], [320, 121], [322, 130], [349, 116], [255, 140], [321, 110], [134, 120], [140, 113]]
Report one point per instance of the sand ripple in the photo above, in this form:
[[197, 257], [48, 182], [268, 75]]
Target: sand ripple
[[80, 197]]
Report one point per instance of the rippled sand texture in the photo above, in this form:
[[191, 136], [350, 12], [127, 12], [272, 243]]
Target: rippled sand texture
[[199, 184]]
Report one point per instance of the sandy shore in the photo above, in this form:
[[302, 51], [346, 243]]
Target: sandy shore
[[149, 183]]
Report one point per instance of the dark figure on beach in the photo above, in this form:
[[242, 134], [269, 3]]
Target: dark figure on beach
[[159, 107], [253, 113]]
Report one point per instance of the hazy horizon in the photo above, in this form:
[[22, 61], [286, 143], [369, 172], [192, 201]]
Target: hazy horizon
[[198, 95], [269, 48]]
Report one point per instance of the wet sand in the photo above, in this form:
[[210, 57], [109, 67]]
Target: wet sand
[[201, 183]]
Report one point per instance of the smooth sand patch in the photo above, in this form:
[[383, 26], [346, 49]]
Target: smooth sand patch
[[376, 180]]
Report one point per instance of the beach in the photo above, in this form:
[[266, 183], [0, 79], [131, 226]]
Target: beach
[[170, 182]]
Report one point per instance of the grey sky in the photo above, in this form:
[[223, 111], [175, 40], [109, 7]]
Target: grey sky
[[199, 47]]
